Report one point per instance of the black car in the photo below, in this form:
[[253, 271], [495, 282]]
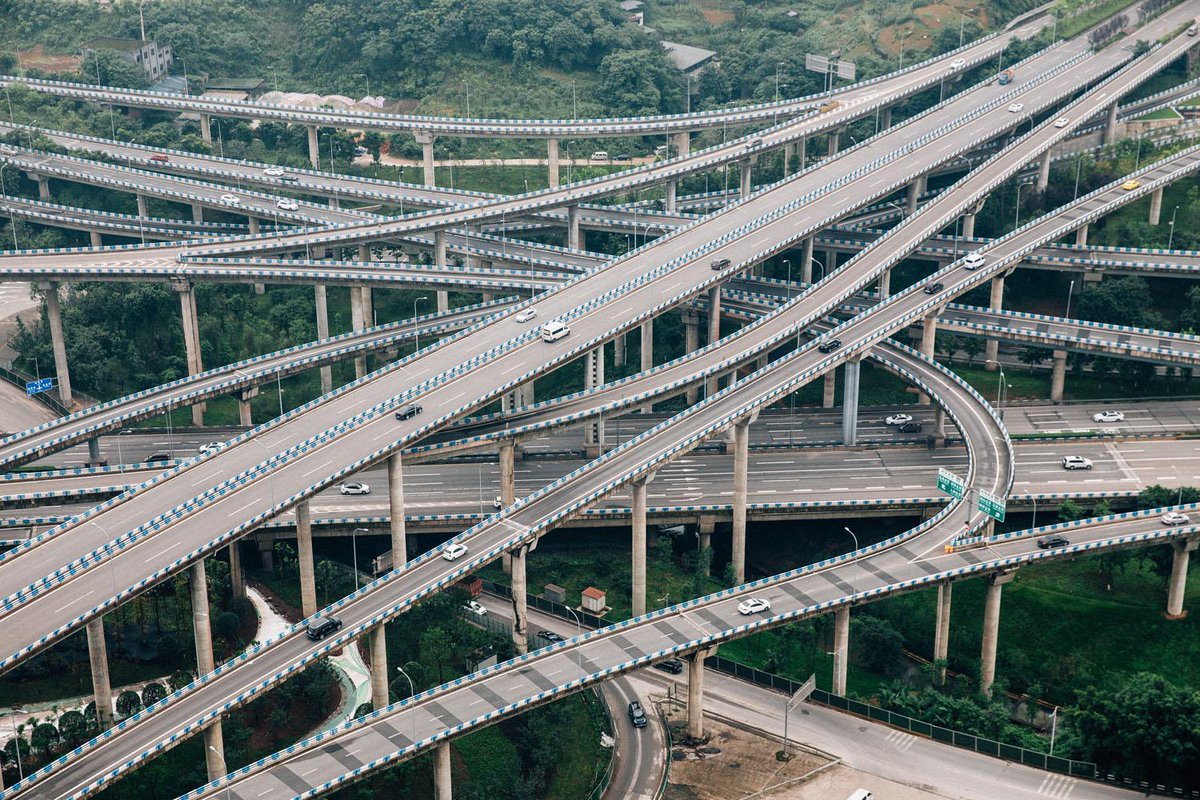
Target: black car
[[1054, 540], [671, 665], [830, 346], [409, 411], [623, 157], [910, 427], [549, 636], [321, 627], [161, 456], [934, 288], [720, 263], [636, 715]]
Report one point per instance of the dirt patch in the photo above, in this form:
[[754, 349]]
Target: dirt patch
[[717, 16], [38, 58]]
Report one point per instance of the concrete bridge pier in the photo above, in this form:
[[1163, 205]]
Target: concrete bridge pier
[[58, 341], [885, 285], [1058, 376], [191, 338], [669, 199], [255, 229], [245, 411], [98, 657], [439, 259], [619, 351], [95, 459], [214, 745], [995, 303], [744, 174], [314, 148], [915, 190], [1179, 568], [841, 649], [1081, 235], [358, 321], [713, 383], [939, 427], [941, 635], [741, 461], [1110, 125], [834, 139], [928, 341], [1156, 205], [695, 706], [704, 531], [322, 302], [683, 143], [379, 667], [968, 226], [885, 118], [206, 128], [829, 395], [991, 630], [574, 239], [850, 383], [237, 575], [691, 343], [266, 552], [806, 261], [647, 344], [197, 212], [801, 153], [639, 545], [787, 159], [1043, 176], [95, 239], [304, 552], [426, 141], [520, 599], [552, 162], [142, 206], [508, 487], [396, 523], [593, 376], [442, 787]]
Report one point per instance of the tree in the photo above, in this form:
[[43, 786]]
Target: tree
[[109, 69], [44, 737], [878, 645], [128, 703], [152, 693], [73, 727]]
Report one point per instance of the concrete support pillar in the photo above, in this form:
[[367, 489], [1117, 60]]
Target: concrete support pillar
[[322, 302], [1156, 205], [841, 649], [941, 635], [1178, 583], [1043, 177], [552, 161], [713, 383], [928, 342], [95, 239], [801, 153], [255, 228], [520, 600], [787, 160], [885, 118], [508, 487], [358, 322], [98, 657], [573, 238], [939, 427], [94, 458], [143, 210], [834, 137], [619, 354], [206, 128], [58, 342], [828, 397], [850, 382], [885, 285], [915, 190], [1058, 376], [683, 143], [647, 331], [1081, 235], [191, 338], [991, 631], [1110, 125], [266, 552], [639, 547], [691, 343], [968, 226], [439, 259], [237, 575], [426, 142], [214, 746], [245, 410], [593, 376], [314, 149], [695, 724], [304, 551], [197, 212], [806, 261], [996, 303], [744, 173], [396, 524], [741, 464], [442, 788], [704, 537], [379, 668], [669, 200]]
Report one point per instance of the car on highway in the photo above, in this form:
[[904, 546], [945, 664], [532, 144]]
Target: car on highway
[[754, 144], [554, 330], [934, 288], [162, 455], [230, 200], [289, 179], [1076, 462], [1108, 416], [829, 346], [454, 551], [599, 155], [159, 158], [274, 172], [754, 605], [1130, 185], [497, 502], [1054, 540], [898, 419], [973, 261], [910, 427], [958, 63], [671, 665], [284, 204], [623, 157], [549, 636], [1062, 122], [526, 315], [409, 411], [637, 715], [354, 488], [8, 150], [210, 448], [720, 263], [1175, 518], [321, 627], [1015, 107], [475, 607]]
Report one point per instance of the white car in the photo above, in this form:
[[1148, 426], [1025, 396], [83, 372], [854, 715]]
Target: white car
[[1175, 518], [1062, 122], [474, 607], [210, 448], [526, 315], [1015, 107], [274, 172], [1108, 416], [898, 419], [8, 150], [454, 551], [284, 204], [973, 261], [1076, 462], [497, 502], [958, 63], [230, 200], [354, 488], [753, 606]]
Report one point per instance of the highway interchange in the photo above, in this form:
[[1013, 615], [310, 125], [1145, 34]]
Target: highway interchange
[[600, 304]]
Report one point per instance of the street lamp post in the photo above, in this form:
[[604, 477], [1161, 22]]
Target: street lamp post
[[224, 766], [847, 530], [17, 741], [1171, 235], [578, 632], [962, 22], [354, 551], [1070, 290], [412, 692], [1001, 388], [822, 266], [416, 330], [120, 457]]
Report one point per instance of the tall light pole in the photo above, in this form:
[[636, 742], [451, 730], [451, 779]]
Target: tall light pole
[[412, 692], [1001, 388], [847, 530], [902, 35], [578, 632], [17, 741], [1078, 167], [354, 551], [416, 330], [1171, 235], [224, 766], [961, 23], [1070, 290], [822, 266]]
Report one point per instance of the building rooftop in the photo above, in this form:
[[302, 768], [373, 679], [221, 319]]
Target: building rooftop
[[113, 43], [632, 5], [594, 593], [235, 84], [687, 58]]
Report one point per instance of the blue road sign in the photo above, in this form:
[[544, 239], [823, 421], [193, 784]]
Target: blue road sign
[[39, 386]]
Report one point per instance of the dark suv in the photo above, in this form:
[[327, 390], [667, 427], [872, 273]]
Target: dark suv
[[911, 427], [321, 627], [636, 715], [671, 665], [830, 346], [409, 411], [720, 263]]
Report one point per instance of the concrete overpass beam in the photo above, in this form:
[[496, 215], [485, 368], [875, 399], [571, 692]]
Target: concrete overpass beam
[[834, 139], [379, 668], [1156, 205], [58, 342], [98, 658], [928, 342], [426, 141], [593, 376], [741, 462], [314, 149], [237, 575], [669, 201], [991, 631], [683, 143], [996, 303], [142, 207], [573, 234], [304, 552], [744, 173], [639, 547], [806, 261], [206, 128], [520, 600], [396, 523], [1058, 376], [647, 331], [828, 397], [442, 787], [552, 161], [1178, 583], [322, 302], [850, 383], [841, 649], [941, 635]]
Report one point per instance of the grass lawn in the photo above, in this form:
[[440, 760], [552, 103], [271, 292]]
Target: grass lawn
[[581, 757], [1074, 25], [1162, 113]]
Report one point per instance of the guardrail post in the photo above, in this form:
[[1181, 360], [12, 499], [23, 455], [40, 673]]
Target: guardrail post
[[322, 301], [593, 376], [741, 461], [58, 341], [941, 634], [1178, 583], [425, 139], [442, 788], [379, 667], [1058, 376], [520, 601], [647, 331], [214, 745], [691, 343], [314, 149], [308, 579], [928, 342], [552, 162], [191, 337], [996, 303], [853, 370], [841, 649], [713, 383], [396, 523], [639, 546], [991, 630], [98, 657], [695, 705]]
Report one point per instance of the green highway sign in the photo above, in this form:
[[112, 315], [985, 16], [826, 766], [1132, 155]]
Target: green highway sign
[[951, 484], [992, 506]]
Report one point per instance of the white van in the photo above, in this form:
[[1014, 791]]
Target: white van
[[554, 330], [860, 794], [599, 155]]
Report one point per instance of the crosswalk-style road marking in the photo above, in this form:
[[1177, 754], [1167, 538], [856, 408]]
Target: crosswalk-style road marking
[[901, 741], [1057, 785]]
